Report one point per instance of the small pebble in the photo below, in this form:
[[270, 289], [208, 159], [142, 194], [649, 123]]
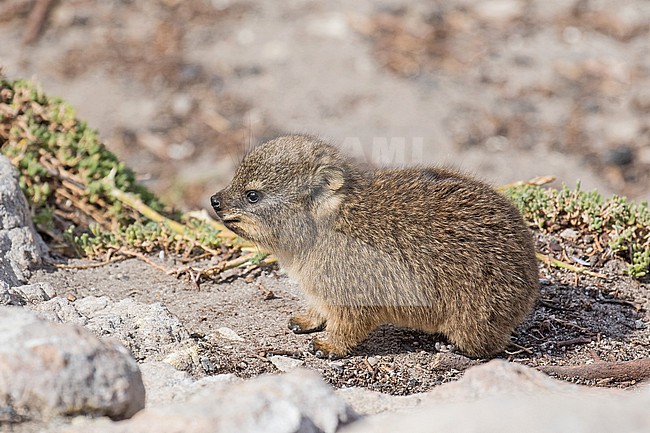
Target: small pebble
[[284, 363], [569, 234], [229, 334], [207, 365], [373, 361], [639, 324], [555, 245]]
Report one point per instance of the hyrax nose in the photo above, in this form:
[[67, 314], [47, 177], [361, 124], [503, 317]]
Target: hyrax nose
[[215, 202]]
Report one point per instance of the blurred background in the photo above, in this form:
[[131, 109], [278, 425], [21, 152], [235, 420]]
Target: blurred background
[[505, 89]]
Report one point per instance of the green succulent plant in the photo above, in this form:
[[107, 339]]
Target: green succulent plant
[[623, 224]]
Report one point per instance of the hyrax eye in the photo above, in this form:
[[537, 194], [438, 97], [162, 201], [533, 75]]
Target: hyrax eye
[[252, 196], [215, 202]]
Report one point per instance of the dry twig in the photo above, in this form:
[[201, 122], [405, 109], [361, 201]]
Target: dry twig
[[90, 265], [550, 261], [635, 370], [573, 341], [537, 181], [36, 20]]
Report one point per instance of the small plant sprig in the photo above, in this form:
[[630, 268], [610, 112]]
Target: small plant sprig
[[623, 226], [62, 163], [87, 202]]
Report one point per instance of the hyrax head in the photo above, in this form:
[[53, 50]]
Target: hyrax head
[[281, 191]]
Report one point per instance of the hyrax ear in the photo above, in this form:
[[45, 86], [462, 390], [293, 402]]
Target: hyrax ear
[[325, 182], [330, 177]]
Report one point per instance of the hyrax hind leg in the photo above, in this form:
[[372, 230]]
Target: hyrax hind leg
[[346, 327], [479, 342], [308, 322]]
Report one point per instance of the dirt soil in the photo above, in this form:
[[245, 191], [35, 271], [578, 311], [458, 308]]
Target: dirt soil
[[578, 320]]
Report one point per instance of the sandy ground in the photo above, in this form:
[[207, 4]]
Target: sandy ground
[[506, 89], [578, 320]]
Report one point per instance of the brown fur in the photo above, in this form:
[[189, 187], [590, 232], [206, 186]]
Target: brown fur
[[428, 249]]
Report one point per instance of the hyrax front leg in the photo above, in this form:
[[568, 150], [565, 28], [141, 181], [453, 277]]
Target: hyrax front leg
[[346, 327], [308, 322]]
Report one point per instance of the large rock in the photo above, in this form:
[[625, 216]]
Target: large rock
[[506, 397], [296, 402], [20, 246], [499, 377], [367, 402], [49, 369], [145, 329], [493, 379], [165, 384], [27, 294]]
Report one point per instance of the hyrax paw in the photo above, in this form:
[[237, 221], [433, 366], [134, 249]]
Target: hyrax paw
[[324, 349], [300, 325]]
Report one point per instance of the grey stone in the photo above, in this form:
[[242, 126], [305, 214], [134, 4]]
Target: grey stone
[[49, 369], [499, 377], [142, 328], [21, 248], [284, 363], [21, 295], [164, 384], [640, 324], [59, 310], [229, 334], [184, 358], [506, 397], [8, 296], [569, 234], [35, 293], [515, 414], [366, 402], [297, 402]]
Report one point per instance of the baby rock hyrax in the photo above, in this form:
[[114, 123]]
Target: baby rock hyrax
[[424, 248]]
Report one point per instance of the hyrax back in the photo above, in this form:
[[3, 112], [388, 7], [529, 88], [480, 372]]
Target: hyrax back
[[428, 249]]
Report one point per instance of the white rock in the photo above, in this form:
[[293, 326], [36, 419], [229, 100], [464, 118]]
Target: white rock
[[284, 363], [367, 402], [296, 402], [38, 292], [49, 369], [165, 384], [229, 334], [507, 398], [143, 328], [21, 248], [569, 234]]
